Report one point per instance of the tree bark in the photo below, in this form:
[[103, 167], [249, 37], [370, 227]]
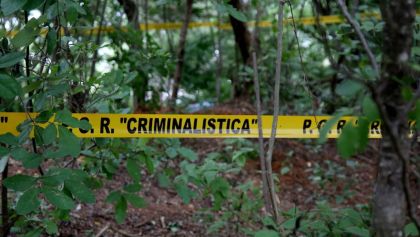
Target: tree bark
[[181, 52], [390, 197], [243, 41]]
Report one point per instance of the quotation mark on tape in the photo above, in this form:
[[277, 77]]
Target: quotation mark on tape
[[4, 119]]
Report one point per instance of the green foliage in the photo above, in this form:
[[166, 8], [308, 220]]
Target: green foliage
[[9, 87]]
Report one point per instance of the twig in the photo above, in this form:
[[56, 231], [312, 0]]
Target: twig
[[276, 108], [267, 200], [124, 233], [105, 228], [359, 33]]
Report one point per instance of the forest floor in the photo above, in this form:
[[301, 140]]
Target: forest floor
[[315, 173]]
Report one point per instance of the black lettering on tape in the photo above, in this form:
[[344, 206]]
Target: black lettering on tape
[[374, 127], [306, 124], [104, 125], [340, 125]]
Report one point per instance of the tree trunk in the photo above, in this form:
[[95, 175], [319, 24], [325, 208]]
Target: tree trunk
[[390, 200], [243, 42], [181, 53]]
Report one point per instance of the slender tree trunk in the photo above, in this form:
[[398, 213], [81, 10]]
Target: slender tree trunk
[[181, 53], [243, 41], [390, 194]]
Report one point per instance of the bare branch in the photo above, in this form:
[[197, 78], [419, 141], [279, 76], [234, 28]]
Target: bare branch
[[359, 33], [276, 105]]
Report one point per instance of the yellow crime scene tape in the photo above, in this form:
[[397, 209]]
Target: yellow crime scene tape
[[331, 19], [191, 125]]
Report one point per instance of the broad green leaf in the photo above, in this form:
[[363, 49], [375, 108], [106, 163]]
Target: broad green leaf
[[411, 230], [349, 88], [188, 153], [32, 4], [50, 227], [11, 59], [163, 180], [80, 191], [29, 160], [135, 200], [266, 233], [9, 139], [113, 197], [357, 231], [10, 6], [68, 143], [132, 188], [25, 36], [44, 117], [9, 87], [289, 224], [51, 41], [65, 117], [329, 124], [370, 109], [184, 192], [49, 134], [149, 164], [19, 182], [171, 152], [240, 16], [58, 199], [33, 233], [121, 210], [28, 202], [133, 170]]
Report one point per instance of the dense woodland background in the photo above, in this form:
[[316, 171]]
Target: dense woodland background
[[301, 57]]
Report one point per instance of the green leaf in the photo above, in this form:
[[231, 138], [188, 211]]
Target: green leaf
[[358, 231], [11, 59], [171, 152], [65, 117], [266, 233], [188, 153], [27, 35], [33, 233], [121, 210], [9, 87], [370, 109], [44, 116], [113, 197], [132, 188], [9, 139], [10, 6], [28, 159], [32, 4], [19, 182], [240, 16], [58, 199], [329, 124], [133, 170], [184, 192], [163, 180], [411, 230], [149, 164], [50, 227], [68, 143], [51, 41], [349, 88], [28, 202], [80, 191], [49, 134], [136, 201]]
